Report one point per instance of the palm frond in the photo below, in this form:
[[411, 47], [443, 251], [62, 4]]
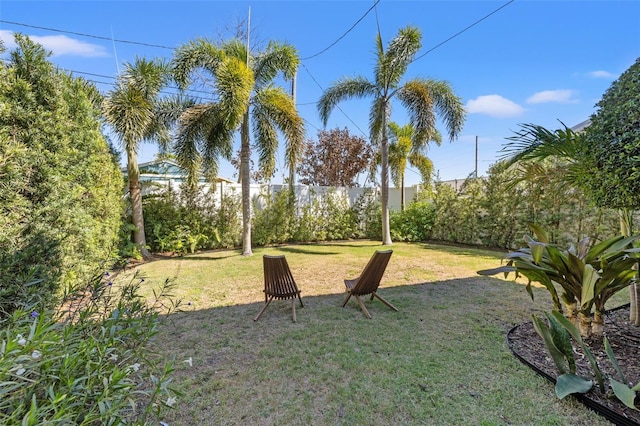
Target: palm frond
[[129, 113], [416, 97], [344, 89], [442, 100], [235, 84], [423, 164], [533, 142], [274, 109], [378, 117], [278, 58], [392, 64], [197, 53]]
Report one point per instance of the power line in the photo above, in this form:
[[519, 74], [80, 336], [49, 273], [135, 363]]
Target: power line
[[463, 30], [343, 35], [86, 35], [341, 110]]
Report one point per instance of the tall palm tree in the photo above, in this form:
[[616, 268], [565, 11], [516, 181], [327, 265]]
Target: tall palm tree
[[132, 109], [271, 108], [403, 151], [423, 98]]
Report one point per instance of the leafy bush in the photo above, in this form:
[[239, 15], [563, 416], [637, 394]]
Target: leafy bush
[[88, 362], [414, 223], [187, 221], [327, 217], [273, 223], [61, 187]]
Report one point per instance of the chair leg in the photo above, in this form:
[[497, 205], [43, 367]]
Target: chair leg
[[364, 309], [384, 301], [293, 307], [346, 300], [263, 309], [300, 298]]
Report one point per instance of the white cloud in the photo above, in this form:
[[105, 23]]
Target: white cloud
[[600, 74], [561, 96], [59, 45], [493, 106]]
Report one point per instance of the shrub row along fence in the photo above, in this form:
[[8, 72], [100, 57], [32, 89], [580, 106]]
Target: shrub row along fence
[[492, 211]]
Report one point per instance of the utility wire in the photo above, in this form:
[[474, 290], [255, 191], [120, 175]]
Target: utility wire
[[86, 35], [463, 30], [343, 35], [337, 106]]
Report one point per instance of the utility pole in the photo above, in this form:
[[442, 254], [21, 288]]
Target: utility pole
[[476, 156], [292, 172]]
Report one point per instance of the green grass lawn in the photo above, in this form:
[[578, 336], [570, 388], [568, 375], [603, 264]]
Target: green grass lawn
[[442, 359]]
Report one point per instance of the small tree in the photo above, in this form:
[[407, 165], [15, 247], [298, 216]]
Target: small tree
[[403, 149], [336, 159]]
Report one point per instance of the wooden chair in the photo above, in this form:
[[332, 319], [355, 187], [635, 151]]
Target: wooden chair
[[278, 283], [369, 281]]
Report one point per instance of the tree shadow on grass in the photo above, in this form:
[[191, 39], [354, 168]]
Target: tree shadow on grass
[[448, 334]]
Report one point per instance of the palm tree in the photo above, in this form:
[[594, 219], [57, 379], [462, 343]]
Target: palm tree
[[133, 111], [423, 98], [270, 106], [403, 151]]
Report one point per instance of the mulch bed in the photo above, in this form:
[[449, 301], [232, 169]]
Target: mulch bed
[[527, 345]]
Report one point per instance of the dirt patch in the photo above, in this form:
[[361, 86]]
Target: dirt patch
[[625, 342]]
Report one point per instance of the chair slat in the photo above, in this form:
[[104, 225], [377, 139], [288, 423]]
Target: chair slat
[[278, 282], [369, 281]]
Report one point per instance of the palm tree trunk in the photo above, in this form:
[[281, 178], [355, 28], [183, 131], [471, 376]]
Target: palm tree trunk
[[402, 199], [386, 232], [245, 156], [135, 196]]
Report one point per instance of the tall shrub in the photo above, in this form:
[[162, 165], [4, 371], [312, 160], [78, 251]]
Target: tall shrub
[[61, 188]]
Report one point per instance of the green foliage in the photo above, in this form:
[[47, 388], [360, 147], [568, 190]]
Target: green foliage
[[274, 223], [495, 211], [60, 191], [588, 276], [188, 221], [556, 337], [327, 217], [88, 362], [367, 211], [612, 145], [414, 223]]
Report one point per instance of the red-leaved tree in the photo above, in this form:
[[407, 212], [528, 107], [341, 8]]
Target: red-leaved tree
[[336, 159]]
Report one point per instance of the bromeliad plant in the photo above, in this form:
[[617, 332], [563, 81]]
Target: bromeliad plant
[[556, 336], [587, 275]]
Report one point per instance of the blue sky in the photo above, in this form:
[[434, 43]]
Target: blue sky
[[529, 62]]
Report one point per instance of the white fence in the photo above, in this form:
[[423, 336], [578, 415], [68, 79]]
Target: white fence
[[304, 194]]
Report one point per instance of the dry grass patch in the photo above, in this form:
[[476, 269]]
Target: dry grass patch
[[442, 359]]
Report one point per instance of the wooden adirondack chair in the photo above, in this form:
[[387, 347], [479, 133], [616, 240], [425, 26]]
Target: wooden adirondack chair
[[369, 281], [278, 283]]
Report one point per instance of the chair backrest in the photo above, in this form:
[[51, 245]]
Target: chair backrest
[[278, 281], [369, 280]]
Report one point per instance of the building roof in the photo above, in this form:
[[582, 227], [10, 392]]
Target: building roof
[[162, 170]]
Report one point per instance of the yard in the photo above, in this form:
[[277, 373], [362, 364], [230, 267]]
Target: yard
[[442, 359]]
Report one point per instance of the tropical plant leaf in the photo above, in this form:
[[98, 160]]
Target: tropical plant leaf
[[589, 280], [562, 340], [545, 333], [495, 271], [614, 360], [566, 384], [626, 395], [540, 233], [575, 333]]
